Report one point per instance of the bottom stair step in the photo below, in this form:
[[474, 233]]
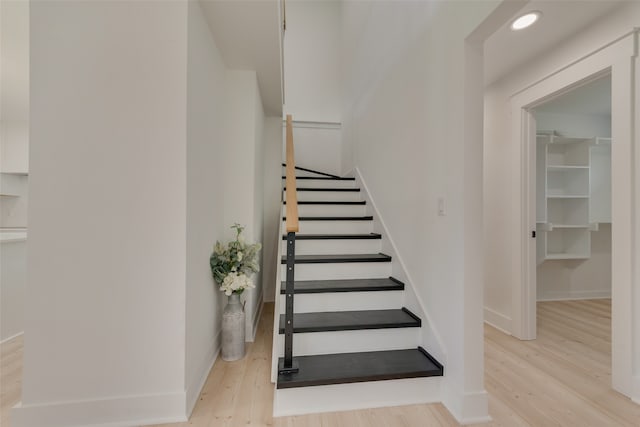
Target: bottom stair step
[[346, 368]]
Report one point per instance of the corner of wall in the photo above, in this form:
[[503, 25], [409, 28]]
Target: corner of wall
[[635, 397], [466, 408], [256, 315], [497, 320], [195, 385]]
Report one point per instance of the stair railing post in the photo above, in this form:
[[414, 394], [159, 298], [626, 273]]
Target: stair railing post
[[289, 366]]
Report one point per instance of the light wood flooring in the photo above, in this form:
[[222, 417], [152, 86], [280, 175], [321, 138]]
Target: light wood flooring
[[560, 379], [10, 377]]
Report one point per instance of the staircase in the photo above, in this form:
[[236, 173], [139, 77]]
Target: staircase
[[354, 342]]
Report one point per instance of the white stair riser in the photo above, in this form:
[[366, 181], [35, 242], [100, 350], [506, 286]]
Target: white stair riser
[[345, 301], [329, 210], [338, 271], [345, 397], [324, 183], [324, 196], [351, 341], [335, 227], [338, 246]]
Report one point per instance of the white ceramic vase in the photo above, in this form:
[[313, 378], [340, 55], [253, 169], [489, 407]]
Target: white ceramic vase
[[233, 321]]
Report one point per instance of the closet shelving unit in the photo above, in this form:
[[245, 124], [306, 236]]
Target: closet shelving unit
[[564, 223]]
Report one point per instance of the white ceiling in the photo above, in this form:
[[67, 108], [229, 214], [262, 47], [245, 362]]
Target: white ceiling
[[593, 99], [247, 33], [507, 50]]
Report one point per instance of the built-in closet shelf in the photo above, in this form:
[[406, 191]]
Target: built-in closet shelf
[[559, 139], [567, 256], [547, 226], [567, 196], [566, 168], [564, 191]]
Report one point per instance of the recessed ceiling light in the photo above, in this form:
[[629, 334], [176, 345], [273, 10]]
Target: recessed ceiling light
[[525, 20]]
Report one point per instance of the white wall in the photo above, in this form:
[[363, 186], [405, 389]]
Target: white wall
[[13, 209], [14, 86], [14, 108], [206, 112], [145, 149], [243, 144], [312, 60], [579, 125], [500, 172], [14, 149], [407, 123], [105, 301], [272, 190], [257, 295], [312, 78], [317, 146]]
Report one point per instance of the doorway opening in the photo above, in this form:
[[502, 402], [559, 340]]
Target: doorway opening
[[573, 274], [573, 194]]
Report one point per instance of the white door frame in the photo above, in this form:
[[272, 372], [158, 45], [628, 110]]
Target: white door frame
[[619, 59]]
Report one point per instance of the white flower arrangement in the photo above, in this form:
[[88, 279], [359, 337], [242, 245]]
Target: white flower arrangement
[[232, 264], [236, 282]]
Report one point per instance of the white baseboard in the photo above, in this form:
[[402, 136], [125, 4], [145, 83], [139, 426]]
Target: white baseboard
[[635, 397], [11, 337], [574, 295], [197, 383], [354, 396], [497, 320], [468, 408], [115, 412], [256, 319]]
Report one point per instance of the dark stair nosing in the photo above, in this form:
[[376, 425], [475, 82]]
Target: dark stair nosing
[[370, 236], [353, 190], [337, 259], [300, 168], [349, 285], [336, 202], [332, 218], [346, 368], [327, 178], [329, 321]]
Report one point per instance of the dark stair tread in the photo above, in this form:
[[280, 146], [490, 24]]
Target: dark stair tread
[[323, 202], [344, 368], [325, 189], [333, 218], [335, 236], [352, 320], [325, 178], [322, 259], [351, 285]]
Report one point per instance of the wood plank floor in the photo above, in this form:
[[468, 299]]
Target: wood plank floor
[[560, 379], [10, 377]]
